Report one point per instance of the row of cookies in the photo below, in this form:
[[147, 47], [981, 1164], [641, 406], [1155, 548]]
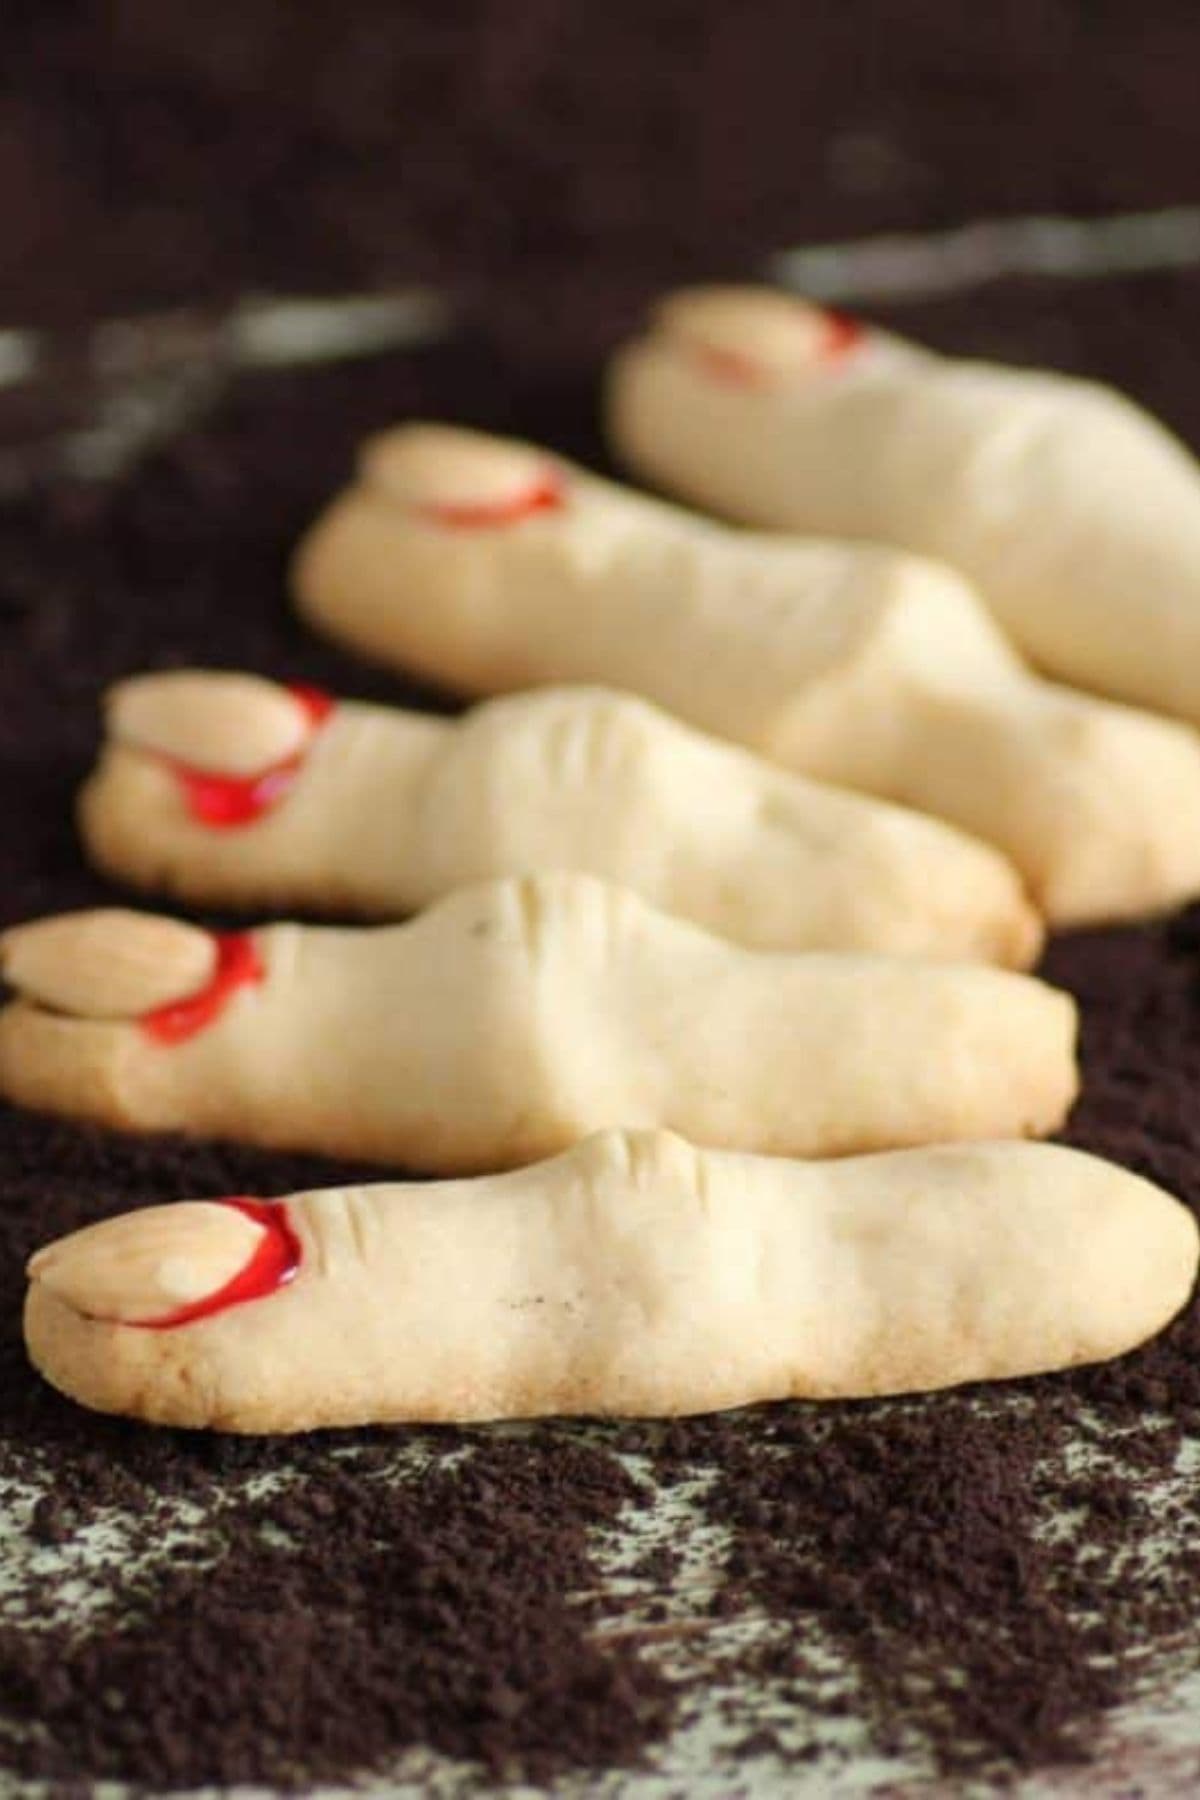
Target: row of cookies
[[761, 1010]]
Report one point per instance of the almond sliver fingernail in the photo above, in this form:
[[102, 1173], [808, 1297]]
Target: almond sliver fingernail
[[223, 724], [107, 964]]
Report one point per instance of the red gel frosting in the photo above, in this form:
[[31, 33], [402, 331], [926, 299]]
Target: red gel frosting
[[314, 700], [842, 335], [238, 965], [228, 800], [273, 1263], [542, 495]]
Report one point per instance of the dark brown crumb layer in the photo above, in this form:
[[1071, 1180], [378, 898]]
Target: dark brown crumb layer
[[539, 154]]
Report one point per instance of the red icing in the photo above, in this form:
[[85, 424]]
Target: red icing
[[314, 700], [238, 965], [224, 800], [543, 495], [842, 335], [230, 800], [273, 1263]]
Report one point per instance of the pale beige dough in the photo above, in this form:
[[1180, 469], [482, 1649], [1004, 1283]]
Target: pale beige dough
[[633, 1275], [391, 810], [518, 1016], [851, 663], [1075, 514]]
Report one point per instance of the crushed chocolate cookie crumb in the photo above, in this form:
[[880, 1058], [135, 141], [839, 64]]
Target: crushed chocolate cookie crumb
[[989, 1606], [347, 1618]]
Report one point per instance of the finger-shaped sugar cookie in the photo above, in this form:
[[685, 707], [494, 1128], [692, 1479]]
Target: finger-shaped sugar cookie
[[230, 790], [1076, 515], [633, 1275], [856, 664], [513, 1019]]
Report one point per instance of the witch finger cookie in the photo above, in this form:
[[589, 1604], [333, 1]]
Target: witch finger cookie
[[633, 1275], [491, 566], [511, 1020], [1075, 514], [226, 789]]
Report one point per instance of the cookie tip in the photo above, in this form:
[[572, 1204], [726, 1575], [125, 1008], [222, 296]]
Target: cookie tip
[[141, 1265]]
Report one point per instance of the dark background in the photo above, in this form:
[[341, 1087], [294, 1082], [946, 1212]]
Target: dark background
[[554, 158]]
